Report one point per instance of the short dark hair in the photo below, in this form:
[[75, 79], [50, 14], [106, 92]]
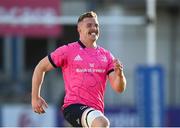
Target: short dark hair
[[90, 14]]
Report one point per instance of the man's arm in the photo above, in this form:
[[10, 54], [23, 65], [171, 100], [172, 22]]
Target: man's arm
[[117, 78], [37, 79]]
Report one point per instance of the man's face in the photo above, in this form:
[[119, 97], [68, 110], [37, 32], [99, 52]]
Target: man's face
[[88, 28]]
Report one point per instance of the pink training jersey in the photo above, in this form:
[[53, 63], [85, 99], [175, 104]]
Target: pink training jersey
[[85, 73]]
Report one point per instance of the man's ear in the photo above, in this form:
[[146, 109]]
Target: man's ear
[[78, 28]]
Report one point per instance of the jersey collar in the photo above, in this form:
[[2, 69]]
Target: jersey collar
[[81, 44]]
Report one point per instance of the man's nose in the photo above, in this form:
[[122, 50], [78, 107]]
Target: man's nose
[[94, 27]]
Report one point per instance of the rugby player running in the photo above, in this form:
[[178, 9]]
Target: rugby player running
[[86, 67]]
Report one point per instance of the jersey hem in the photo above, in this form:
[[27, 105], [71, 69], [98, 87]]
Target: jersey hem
[[111, 70], [51, 61]]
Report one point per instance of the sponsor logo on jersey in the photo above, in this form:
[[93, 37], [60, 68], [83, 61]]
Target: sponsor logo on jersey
[[91, 65], [104, 59]]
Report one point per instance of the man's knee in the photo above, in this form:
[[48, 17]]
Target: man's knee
[[100, 122], [94, 118]]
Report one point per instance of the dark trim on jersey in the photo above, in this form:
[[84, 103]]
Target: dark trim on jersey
[[86, 117], [81, 44], [110, 71], [51, 61]]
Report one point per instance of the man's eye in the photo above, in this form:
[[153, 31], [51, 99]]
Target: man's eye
[[89, 25]]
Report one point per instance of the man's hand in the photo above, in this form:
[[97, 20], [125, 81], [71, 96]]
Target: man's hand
[[118, 67], [117, 78], [38, 105]]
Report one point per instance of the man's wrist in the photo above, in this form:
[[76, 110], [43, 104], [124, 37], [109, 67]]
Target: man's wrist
[[120, 75], [35, 96]]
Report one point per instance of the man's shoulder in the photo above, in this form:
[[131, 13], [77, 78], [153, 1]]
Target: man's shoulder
[[102, 49], [72, 44]]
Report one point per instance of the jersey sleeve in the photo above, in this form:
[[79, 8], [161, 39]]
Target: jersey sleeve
[[110, 67], [58, 58]]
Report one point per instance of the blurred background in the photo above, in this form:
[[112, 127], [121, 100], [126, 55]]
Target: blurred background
[[143, 34]]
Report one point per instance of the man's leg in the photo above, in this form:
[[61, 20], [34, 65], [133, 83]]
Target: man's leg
[[94, 118], [100, 122]]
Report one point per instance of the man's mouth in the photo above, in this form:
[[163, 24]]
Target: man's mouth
[[93, 33]]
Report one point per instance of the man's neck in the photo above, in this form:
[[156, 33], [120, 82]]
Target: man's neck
[[89, 44]]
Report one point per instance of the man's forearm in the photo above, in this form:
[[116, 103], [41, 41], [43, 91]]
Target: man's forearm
[[120, 82], [37, 80]]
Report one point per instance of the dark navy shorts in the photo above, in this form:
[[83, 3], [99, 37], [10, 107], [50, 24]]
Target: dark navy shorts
[[73, 114]]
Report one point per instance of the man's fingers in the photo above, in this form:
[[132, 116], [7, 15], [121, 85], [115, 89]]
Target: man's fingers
[[116, 61], [45, 104], [42, 110], [39, 105], [39, 110], [118, 64]]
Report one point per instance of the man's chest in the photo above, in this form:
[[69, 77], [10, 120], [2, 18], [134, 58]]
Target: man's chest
[[83, 61]]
